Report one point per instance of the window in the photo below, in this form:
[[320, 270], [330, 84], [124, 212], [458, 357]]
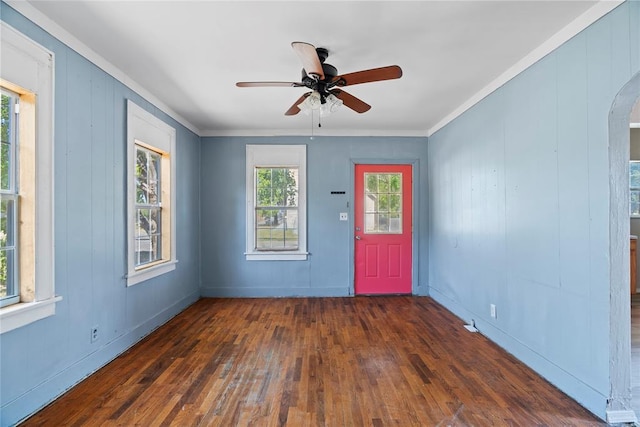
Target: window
[[26, 198], [151, 196], [276, 202], [634, 188], [383, 203], [148, 209], [9, 286], [276, 209]]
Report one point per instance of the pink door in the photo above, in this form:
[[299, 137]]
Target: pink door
[[383, 229]]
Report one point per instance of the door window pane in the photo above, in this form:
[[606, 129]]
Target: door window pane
[[383, 203]]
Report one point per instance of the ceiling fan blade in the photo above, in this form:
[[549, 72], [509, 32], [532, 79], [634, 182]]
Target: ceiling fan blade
[[294, 108], [351, 101], [268, 84], [309, 58], [366, 76]]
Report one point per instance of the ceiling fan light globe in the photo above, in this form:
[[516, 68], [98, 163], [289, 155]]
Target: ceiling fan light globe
[[331, 105], [311, 102], [334, 103]]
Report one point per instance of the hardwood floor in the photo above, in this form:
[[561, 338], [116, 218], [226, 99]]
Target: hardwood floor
[[364, 361]]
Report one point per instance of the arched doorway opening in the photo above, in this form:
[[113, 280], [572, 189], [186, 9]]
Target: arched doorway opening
[[619, 402]]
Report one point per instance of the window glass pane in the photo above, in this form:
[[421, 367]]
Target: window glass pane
[[142, 195], [371, 182], [148, 232], [394, 203], [154, 178], [383, 203], [634, 206], [7, 223], [7, 135], [7, 280], [634, 174], [276, 209], [383, 183], [370, 223], [9, 290], [395, 183], [276, 229], [395, 223]]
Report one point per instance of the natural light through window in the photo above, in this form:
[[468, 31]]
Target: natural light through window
[[9, 287], [383, 203], [27, 292], [148, 227], [276, 208], [151, 197], [276, 202]]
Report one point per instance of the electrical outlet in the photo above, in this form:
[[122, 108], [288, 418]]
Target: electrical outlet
[[494, 314], [344, 216], [94, 334]]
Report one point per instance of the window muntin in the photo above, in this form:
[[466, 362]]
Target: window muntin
[[634, 188], [383, 203], [148, 207], [9, 286], [276, 213]]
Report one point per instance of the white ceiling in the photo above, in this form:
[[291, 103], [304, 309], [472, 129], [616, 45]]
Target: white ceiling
[[187, 55]]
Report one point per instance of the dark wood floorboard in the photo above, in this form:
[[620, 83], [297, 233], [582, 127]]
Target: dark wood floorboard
[[376, 361]]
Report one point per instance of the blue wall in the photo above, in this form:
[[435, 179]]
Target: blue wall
[[329, 269], [519, 216], [43, 359]]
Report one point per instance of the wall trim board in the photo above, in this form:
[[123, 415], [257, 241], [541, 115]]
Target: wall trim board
[[55, 386], [581, 392], [230, 291]]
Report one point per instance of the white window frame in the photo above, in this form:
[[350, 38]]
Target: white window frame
[[146, 130], [274, 156], [29, 67]]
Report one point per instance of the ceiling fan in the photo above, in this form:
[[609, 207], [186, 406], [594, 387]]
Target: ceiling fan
[[325, 83]]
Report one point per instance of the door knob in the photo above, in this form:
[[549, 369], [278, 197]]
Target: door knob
[[358, 237]]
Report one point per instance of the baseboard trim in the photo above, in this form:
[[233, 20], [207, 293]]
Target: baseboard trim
[[254, 292]]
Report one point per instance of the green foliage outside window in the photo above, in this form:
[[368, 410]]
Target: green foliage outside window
[[276, 208]]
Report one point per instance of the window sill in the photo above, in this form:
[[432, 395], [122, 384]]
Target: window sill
[[276, 256], [24, 313], [150, 272]]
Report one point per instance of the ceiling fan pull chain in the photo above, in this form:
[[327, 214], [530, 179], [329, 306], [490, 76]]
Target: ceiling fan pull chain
[[311, 124]]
